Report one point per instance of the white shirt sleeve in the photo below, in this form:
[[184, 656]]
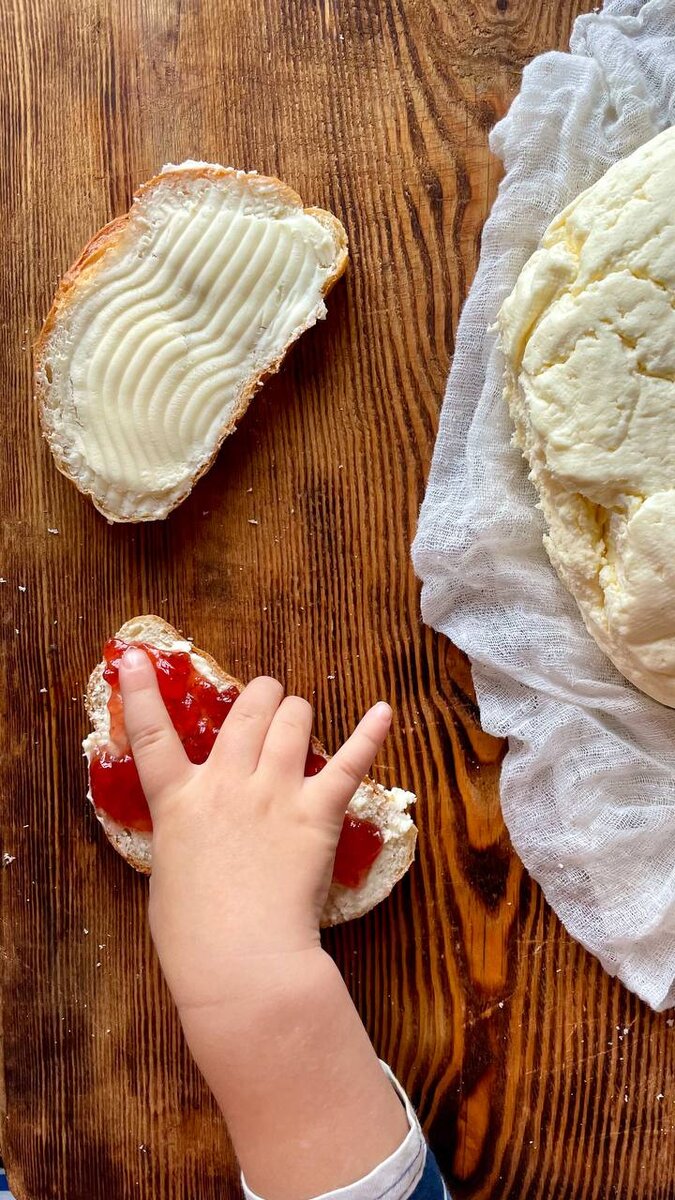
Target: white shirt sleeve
[[394, 1179]]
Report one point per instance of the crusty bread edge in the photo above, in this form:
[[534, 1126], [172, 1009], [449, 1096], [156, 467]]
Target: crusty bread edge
[[343, 904], [95, 249]]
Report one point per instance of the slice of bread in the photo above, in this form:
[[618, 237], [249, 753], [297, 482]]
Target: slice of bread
[[387, 808], [171, 319]]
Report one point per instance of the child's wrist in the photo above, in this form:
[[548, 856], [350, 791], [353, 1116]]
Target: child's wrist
[[270, 996], [251, 986]]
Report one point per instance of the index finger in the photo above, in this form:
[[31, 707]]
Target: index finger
[[340, 778], [158, 753]]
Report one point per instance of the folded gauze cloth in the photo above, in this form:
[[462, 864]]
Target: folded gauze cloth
[[588, 784]]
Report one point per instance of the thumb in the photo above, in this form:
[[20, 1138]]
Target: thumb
[[160, 758], [343, 773]]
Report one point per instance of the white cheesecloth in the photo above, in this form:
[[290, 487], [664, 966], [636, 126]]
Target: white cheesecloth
[[588, 784]]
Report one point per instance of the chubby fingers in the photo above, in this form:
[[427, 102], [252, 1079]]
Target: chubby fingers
[[240, 742], [285, 750], [160, 758], [343, 773]]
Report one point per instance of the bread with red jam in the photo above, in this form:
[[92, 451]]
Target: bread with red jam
[[377, 844]]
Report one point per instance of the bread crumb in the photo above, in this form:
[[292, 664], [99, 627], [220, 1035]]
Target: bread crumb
[[8, 859], [22, 587], [251, 521], [249, 490], [2, 580], [85, 931], [659, 1096], [43, 691], [52, 530], [330, 677]]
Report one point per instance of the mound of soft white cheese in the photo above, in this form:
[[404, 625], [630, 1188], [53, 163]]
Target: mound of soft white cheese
[[588, 335]]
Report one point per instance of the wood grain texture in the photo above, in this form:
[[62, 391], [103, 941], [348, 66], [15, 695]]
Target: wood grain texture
[[535, 1074]]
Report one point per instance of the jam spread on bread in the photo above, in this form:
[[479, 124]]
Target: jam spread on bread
[[359, 845], [197, 709]]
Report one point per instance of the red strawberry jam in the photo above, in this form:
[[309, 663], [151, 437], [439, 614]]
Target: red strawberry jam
[[315, 763], [359, 845], [197, 709]]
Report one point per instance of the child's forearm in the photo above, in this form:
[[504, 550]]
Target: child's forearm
[[307, 1104]]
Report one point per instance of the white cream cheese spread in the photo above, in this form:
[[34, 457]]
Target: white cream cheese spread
[[195, 298]]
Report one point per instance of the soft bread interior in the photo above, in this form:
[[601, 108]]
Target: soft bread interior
[[167, 325], [385, 807]]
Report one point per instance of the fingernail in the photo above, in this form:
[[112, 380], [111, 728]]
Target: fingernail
[[133, 658], [383, 710]]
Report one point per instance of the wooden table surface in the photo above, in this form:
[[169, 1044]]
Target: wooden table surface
[[534, 1073]]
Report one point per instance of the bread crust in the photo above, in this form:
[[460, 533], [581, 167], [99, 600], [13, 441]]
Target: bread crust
[[94, 252], [343, 904]]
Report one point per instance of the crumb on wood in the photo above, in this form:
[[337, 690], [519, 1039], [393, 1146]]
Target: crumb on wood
[[8, 859]]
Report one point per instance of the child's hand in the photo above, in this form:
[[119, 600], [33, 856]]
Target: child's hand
[[242, 857], [243, 846]]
